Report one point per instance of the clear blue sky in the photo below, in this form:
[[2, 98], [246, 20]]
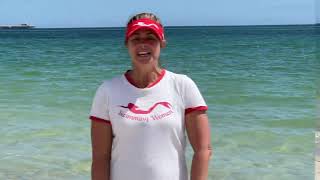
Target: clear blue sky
[[106, 13], [317, 9]]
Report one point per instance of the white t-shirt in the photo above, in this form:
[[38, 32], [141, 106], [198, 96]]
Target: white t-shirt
[[148, 125]]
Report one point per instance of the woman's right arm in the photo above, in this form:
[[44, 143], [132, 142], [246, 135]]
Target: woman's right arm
[[101, 139]]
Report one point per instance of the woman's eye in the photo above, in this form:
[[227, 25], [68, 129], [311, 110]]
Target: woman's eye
[[151, 38], [135, 39], [144, 39]]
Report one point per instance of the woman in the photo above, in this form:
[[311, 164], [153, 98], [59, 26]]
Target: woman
[[139, 118]]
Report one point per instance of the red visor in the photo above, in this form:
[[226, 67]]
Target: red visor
[[146, 24]]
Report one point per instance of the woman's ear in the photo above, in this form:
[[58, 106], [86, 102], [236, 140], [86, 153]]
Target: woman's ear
[[163, 43]]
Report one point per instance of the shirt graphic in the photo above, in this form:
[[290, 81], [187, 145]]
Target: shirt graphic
[[133, 108], [146, 115]]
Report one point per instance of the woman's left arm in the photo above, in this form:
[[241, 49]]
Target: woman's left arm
[[198, 130]]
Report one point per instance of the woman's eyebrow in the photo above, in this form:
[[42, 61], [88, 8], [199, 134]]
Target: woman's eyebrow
[[135, 33]]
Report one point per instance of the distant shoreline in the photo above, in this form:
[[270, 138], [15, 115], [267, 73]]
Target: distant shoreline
[[190, 26], [18, 26]]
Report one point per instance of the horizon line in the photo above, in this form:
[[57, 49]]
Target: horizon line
[[177, 26]]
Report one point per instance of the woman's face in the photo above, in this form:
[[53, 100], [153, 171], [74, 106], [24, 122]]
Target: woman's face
[[144, 47]]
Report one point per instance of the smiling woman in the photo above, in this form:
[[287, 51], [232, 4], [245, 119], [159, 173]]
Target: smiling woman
[[144, 39], [139, 119]]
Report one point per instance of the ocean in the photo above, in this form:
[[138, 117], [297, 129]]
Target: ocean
[[261, 84]]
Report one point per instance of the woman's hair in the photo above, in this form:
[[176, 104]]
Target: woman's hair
[[144, 15]]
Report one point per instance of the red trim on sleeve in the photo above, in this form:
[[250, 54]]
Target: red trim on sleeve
[[130, 80], [93, 118], [199, 108]]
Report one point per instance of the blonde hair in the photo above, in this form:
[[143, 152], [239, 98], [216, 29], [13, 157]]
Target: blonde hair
[[144, 15]]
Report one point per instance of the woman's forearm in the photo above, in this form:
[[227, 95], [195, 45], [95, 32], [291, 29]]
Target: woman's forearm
[[200, 164], [100, 169]]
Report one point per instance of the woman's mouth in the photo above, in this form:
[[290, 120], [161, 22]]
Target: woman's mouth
[[143, 54]]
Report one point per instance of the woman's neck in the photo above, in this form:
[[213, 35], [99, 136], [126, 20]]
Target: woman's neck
[[143, 77]]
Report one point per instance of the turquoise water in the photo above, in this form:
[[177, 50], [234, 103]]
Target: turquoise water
[[260, 84]]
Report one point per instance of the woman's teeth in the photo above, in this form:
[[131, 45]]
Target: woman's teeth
[[143, 53]]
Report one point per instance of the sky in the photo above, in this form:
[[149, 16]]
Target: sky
[[317, 9], [106, 13]]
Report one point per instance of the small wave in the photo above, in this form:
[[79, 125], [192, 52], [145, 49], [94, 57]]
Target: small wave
[[291, 123]]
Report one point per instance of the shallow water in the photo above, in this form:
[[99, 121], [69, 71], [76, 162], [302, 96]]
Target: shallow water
[[260, 84]]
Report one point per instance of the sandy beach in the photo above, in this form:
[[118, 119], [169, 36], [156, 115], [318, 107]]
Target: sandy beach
[[317, 170], [317, 156], [317, 166]]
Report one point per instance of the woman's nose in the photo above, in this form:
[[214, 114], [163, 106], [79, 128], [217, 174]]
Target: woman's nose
[[143, 41]]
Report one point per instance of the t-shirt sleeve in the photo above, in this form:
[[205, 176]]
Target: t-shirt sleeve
[[99, 109], [192, 97]]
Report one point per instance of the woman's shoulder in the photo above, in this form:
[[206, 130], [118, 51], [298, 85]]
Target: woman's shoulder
[[179, 78], [112, 82]]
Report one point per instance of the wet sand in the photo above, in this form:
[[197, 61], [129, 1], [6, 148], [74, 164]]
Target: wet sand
[[317, 170], [317, 156]]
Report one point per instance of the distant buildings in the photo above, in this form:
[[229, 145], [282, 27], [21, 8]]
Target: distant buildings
[[20, 26]]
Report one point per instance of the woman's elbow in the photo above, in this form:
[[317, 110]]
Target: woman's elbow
[[204, 153]]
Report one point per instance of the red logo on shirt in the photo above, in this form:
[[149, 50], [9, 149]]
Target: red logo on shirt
[[135, 109]]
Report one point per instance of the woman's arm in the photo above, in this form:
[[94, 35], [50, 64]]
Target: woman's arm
[[198, 131], [101, 138]]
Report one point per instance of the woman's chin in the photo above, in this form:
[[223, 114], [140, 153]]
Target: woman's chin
[[144, 60]]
